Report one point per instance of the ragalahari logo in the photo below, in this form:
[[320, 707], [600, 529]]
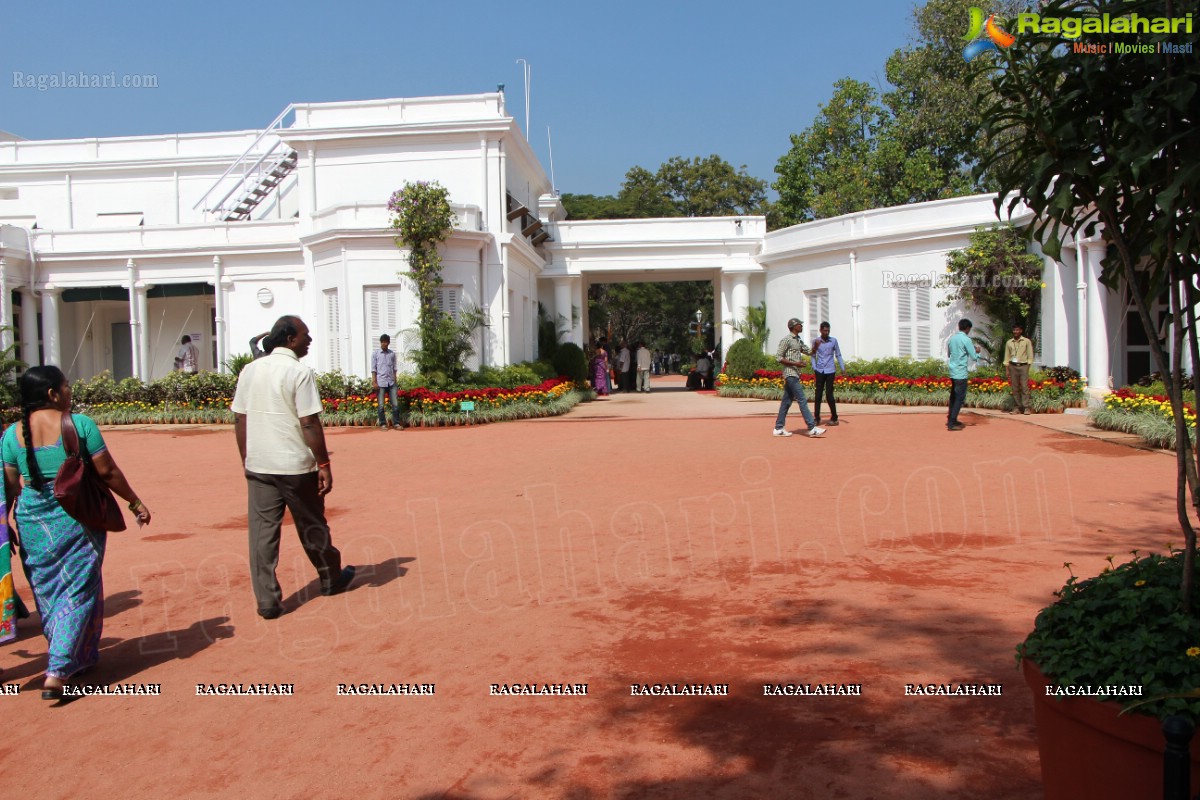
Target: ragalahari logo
[[995, 35]]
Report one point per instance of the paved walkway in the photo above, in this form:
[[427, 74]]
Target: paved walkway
[[680, 544], [669, 399]]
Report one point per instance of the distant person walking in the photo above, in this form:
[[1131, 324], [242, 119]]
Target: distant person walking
[[62, 558], [789, 353], [961, 351], [384, 378], [827, 356], [277, 422], [599, 368], [624, 365], [188, 358], [1018, 356], [644, 361]]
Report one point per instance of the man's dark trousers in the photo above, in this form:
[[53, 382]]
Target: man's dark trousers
[[268, 495]]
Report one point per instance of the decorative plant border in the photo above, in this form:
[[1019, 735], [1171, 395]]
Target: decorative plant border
[[1148, 416], [1046, 396], [419, 407]]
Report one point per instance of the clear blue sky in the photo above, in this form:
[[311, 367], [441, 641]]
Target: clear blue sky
[[620, 83]]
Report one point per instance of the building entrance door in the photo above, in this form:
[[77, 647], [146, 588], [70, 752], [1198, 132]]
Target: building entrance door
[[122, 351]]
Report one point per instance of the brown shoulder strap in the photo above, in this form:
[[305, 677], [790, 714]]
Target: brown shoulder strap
[[70, 437]]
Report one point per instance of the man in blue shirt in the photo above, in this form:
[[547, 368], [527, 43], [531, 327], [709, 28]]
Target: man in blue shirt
[[962, 351], [383, 378], [826, 355]]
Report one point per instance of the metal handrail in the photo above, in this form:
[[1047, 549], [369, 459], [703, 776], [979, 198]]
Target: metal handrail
[[276, 124]]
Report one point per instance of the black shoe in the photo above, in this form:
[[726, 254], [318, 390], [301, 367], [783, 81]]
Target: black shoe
[[958, 426], [832, 422], [52, 693], [343, 582], [270, 613]]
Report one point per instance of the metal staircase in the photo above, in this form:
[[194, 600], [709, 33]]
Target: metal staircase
[[253, 177]]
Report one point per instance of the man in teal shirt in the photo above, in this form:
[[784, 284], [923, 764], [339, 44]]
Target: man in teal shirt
[[962, 351]]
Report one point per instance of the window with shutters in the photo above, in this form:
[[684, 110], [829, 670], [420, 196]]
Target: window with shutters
[[333, 330], [818, 310], [382, 314], [913, 315], [448, 299]]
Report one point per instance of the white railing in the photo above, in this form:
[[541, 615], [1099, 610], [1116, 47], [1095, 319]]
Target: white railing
[[248, 171]]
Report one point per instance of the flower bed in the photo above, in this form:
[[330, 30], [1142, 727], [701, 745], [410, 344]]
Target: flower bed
[[418, 407], [1046, 396], [1146, 415]]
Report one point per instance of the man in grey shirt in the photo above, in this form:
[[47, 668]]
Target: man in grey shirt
[[791, 349], [383, 379]]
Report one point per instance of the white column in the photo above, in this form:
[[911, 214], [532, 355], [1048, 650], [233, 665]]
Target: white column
[[1099, 369], [740, 301], [6, 336], [562, 306], [134, 322], [1081, 271], [141, 337], [51, 335], [29, 328], [219, 298]]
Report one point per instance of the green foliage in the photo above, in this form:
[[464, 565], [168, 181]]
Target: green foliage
[[441, 348], [422, 218], [745, 357], [656, 313], [337, 384], [591, 206], [753, 325], [569, 362], [916, 142], [1122, 628], [235, 364], [682, 187], [523, 374], [998, 275], [1107, 146], [829, 169], [10, 364], [897, 366], [549, 330]]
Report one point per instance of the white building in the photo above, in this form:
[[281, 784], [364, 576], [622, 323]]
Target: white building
[[120, 246]]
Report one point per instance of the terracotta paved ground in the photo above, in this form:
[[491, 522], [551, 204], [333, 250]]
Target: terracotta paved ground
[[646, 539]]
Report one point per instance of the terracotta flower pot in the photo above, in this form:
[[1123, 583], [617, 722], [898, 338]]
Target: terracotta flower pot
[[1087, 750]]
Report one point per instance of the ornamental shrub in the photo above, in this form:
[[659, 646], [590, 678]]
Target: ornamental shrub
[[570, 362], [744, 358], [897, 367]]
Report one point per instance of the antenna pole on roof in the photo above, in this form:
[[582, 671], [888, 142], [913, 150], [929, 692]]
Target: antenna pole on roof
[[550, 144]]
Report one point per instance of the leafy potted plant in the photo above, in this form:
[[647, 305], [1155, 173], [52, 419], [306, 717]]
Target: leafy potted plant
[[1103, 148], [1113, 641]]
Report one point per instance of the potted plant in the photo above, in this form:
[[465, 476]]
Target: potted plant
[[1117, 641], [1102, 149]]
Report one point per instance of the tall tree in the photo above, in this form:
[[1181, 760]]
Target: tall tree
[[830, 167], [1108, 144], [916, 142], [681, 187]]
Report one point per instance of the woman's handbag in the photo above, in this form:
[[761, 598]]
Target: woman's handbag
[[79, 490]]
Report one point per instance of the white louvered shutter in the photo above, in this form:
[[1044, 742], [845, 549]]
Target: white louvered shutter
[[333, 330]]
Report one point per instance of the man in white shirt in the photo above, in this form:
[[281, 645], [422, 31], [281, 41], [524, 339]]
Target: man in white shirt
[[643, 368], [277, 421], [188, 357]]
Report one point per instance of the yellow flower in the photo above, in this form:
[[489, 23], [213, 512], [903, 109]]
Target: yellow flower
[[1139, 583], [1193, 651]]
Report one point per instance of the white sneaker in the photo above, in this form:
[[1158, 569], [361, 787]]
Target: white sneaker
[[815, 432], [781, 432]]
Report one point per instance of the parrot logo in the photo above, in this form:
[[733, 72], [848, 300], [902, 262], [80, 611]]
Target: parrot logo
[[994, 33]]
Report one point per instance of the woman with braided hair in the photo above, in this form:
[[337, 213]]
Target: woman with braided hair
[[61, 557]]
